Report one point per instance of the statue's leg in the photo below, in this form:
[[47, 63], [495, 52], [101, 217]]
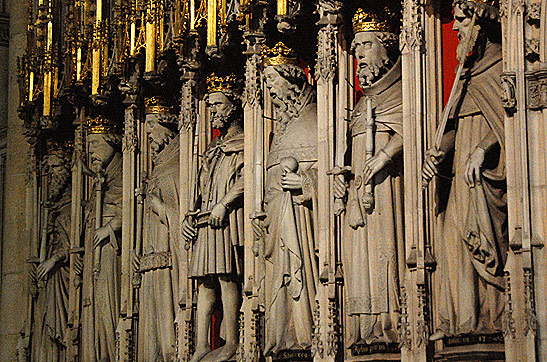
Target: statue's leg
[[206, 301], [231, 302]]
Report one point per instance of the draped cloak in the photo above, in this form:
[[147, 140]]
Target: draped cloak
[[291, 274], [159, 263], [375, 249], [53, 299], [102, 300], [217, 251], [473, 241]]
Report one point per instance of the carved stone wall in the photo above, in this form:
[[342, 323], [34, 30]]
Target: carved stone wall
[[281, 181]]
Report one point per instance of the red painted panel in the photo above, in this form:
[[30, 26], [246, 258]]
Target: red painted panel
[[450, 63]]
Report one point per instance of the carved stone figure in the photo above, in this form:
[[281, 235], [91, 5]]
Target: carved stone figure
[[374, 214], [291, 274], [103, 224], [217, 223], [53, 272], [473, 241], [159, 265]]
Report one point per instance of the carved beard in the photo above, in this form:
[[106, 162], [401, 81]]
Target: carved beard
[[285, 103], [369, 71], [58, 182], [473, 34]]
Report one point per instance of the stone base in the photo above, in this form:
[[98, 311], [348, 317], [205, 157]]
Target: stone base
[[213, 356], [472, 353], [293, 355], [374, 352]]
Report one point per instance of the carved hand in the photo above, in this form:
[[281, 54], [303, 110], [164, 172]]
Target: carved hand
[[189, 233], [433, 158], [472, 173], [374, 165], [291, 181], [156, 203], [101, 234], [217, 215], [45, 267], [340, 190]]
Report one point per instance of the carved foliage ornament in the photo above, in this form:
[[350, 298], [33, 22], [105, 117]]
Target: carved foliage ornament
[[536, 88]]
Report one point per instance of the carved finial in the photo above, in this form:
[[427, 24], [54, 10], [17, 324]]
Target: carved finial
[[279, 54]]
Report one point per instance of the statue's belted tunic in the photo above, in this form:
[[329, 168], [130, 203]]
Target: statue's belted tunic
[[216, 251]]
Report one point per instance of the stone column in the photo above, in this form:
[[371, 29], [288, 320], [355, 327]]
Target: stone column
[[524, 84], [131, 235], [16, 244], [326, 332], [417, 135], [189, 165], [255, 140]]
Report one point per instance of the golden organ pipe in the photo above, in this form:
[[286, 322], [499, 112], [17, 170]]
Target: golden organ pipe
[[192, 14], [150, 39], [211, 22], [96, 70], [282, 7]]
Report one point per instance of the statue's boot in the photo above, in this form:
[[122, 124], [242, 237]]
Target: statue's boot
[[228, 352], [200, 353], [439, 334]]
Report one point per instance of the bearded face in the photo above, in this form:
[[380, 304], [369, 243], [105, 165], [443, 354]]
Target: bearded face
[[158, 135], [372, 58], [59, 172], [463, 24], [100, 151], [223, 110]]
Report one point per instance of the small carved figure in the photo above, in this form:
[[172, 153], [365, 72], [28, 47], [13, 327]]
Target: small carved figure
[[289, 248], [52, 304], [375, 196], [159, 264], [473, 240], [103, 223], [217, 223]]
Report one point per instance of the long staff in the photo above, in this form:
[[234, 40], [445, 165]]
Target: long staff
[[99, 181], [454, 95]]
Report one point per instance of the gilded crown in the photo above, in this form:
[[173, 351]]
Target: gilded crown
[[371, 21], [219, 84], [101, 125], [493, 3], [279, 54], [157, 105]]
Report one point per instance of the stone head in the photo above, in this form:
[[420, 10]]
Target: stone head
[[475, 21], [102, 148], [372, 51], [58, 168], [286, 84], [159, 133], [225, 109]]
